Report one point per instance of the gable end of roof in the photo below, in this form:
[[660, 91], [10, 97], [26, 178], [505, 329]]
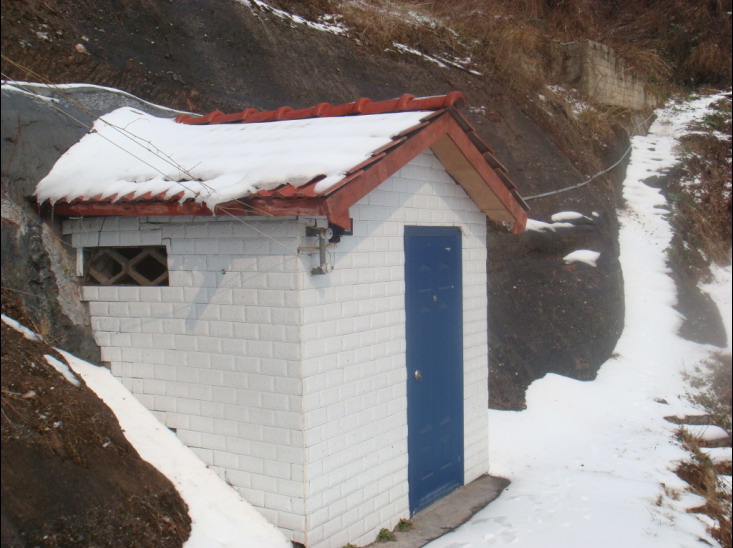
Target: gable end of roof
[[436, 125]]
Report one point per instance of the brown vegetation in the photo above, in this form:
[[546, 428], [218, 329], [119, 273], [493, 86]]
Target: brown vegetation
[[712, 384], [678, 41], [700, 193], [702, 476], [70, 477]]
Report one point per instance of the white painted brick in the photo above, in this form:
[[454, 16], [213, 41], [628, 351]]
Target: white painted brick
[[130, 325], [232, 365], [186, 374], [205, 247], [105, 293], [179, 278], [189, 407], [147, 400], [109, 239], [122, 340], [195, 231], [177, 420], [224, 394], [265, 484], [150, 238], [91, 293], [111, 354], [105, 323], [166, 404], [118, 309]]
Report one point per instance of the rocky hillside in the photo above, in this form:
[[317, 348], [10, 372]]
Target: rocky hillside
[[527, 97], [544, 315], [70, 477]]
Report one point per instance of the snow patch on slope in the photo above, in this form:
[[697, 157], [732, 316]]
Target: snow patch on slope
[[219, 516], [328, 23], [27, 333], [62, 368], [585, 256], [591, 463], [534, 225]]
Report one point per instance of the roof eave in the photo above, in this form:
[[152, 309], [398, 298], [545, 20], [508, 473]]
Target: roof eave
[[449, 137], [255, 207], [448, 134]]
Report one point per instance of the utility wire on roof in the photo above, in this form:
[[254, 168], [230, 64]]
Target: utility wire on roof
[[594, 176], [123, 131], [155, 152], [119, 129]]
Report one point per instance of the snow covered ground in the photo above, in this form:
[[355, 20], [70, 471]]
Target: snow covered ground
[[220, 518], [591, 462]]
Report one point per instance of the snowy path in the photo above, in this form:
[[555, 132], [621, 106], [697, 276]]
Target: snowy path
[[589, 461]]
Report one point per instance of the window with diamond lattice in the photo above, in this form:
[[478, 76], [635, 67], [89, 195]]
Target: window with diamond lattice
[[127, 266]]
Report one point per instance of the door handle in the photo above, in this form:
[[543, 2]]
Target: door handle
[[417, 375]]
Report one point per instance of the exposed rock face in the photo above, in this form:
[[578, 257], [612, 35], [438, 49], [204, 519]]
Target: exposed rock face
[[556, 316], [596, 71], [37, 265], [194, 56], [70, 477]]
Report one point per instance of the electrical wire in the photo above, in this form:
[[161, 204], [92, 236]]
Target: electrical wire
[[155, 152], [596, 175], [124, 131]]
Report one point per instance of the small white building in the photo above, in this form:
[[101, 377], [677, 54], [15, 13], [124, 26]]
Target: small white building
[[300, 295]]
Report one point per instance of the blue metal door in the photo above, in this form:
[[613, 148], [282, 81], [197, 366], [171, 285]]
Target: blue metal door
[[434, 333]]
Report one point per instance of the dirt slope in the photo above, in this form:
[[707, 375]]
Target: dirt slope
[[544, 315], [204, 56], [69, 475]]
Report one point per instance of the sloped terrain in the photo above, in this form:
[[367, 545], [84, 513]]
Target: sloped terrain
[[69, 475], [545, 315], [228, 56]]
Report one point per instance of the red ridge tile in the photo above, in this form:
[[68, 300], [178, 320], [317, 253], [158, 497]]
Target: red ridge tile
[[362, 106]]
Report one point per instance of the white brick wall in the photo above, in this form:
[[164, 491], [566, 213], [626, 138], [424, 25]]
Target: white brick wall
[[354, 391], [215, 355], [292, 386]]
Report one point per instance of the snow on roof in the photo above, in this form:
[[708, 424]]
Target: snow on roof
[[131, 153]]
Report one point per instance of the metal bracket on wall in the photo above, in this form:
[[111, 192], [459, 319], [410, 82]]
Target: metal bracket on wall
[[324, 234]]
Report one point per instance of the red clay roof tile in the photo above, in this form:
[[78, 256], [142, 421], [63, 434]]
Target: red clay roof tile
[[303, 199], [404, 103]]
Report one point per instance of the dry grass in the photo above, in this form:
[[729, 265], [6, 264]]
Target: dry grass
[[701, 474], [700, 192], [712, 381], [707, 62], [380, 24], [667, 40]]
